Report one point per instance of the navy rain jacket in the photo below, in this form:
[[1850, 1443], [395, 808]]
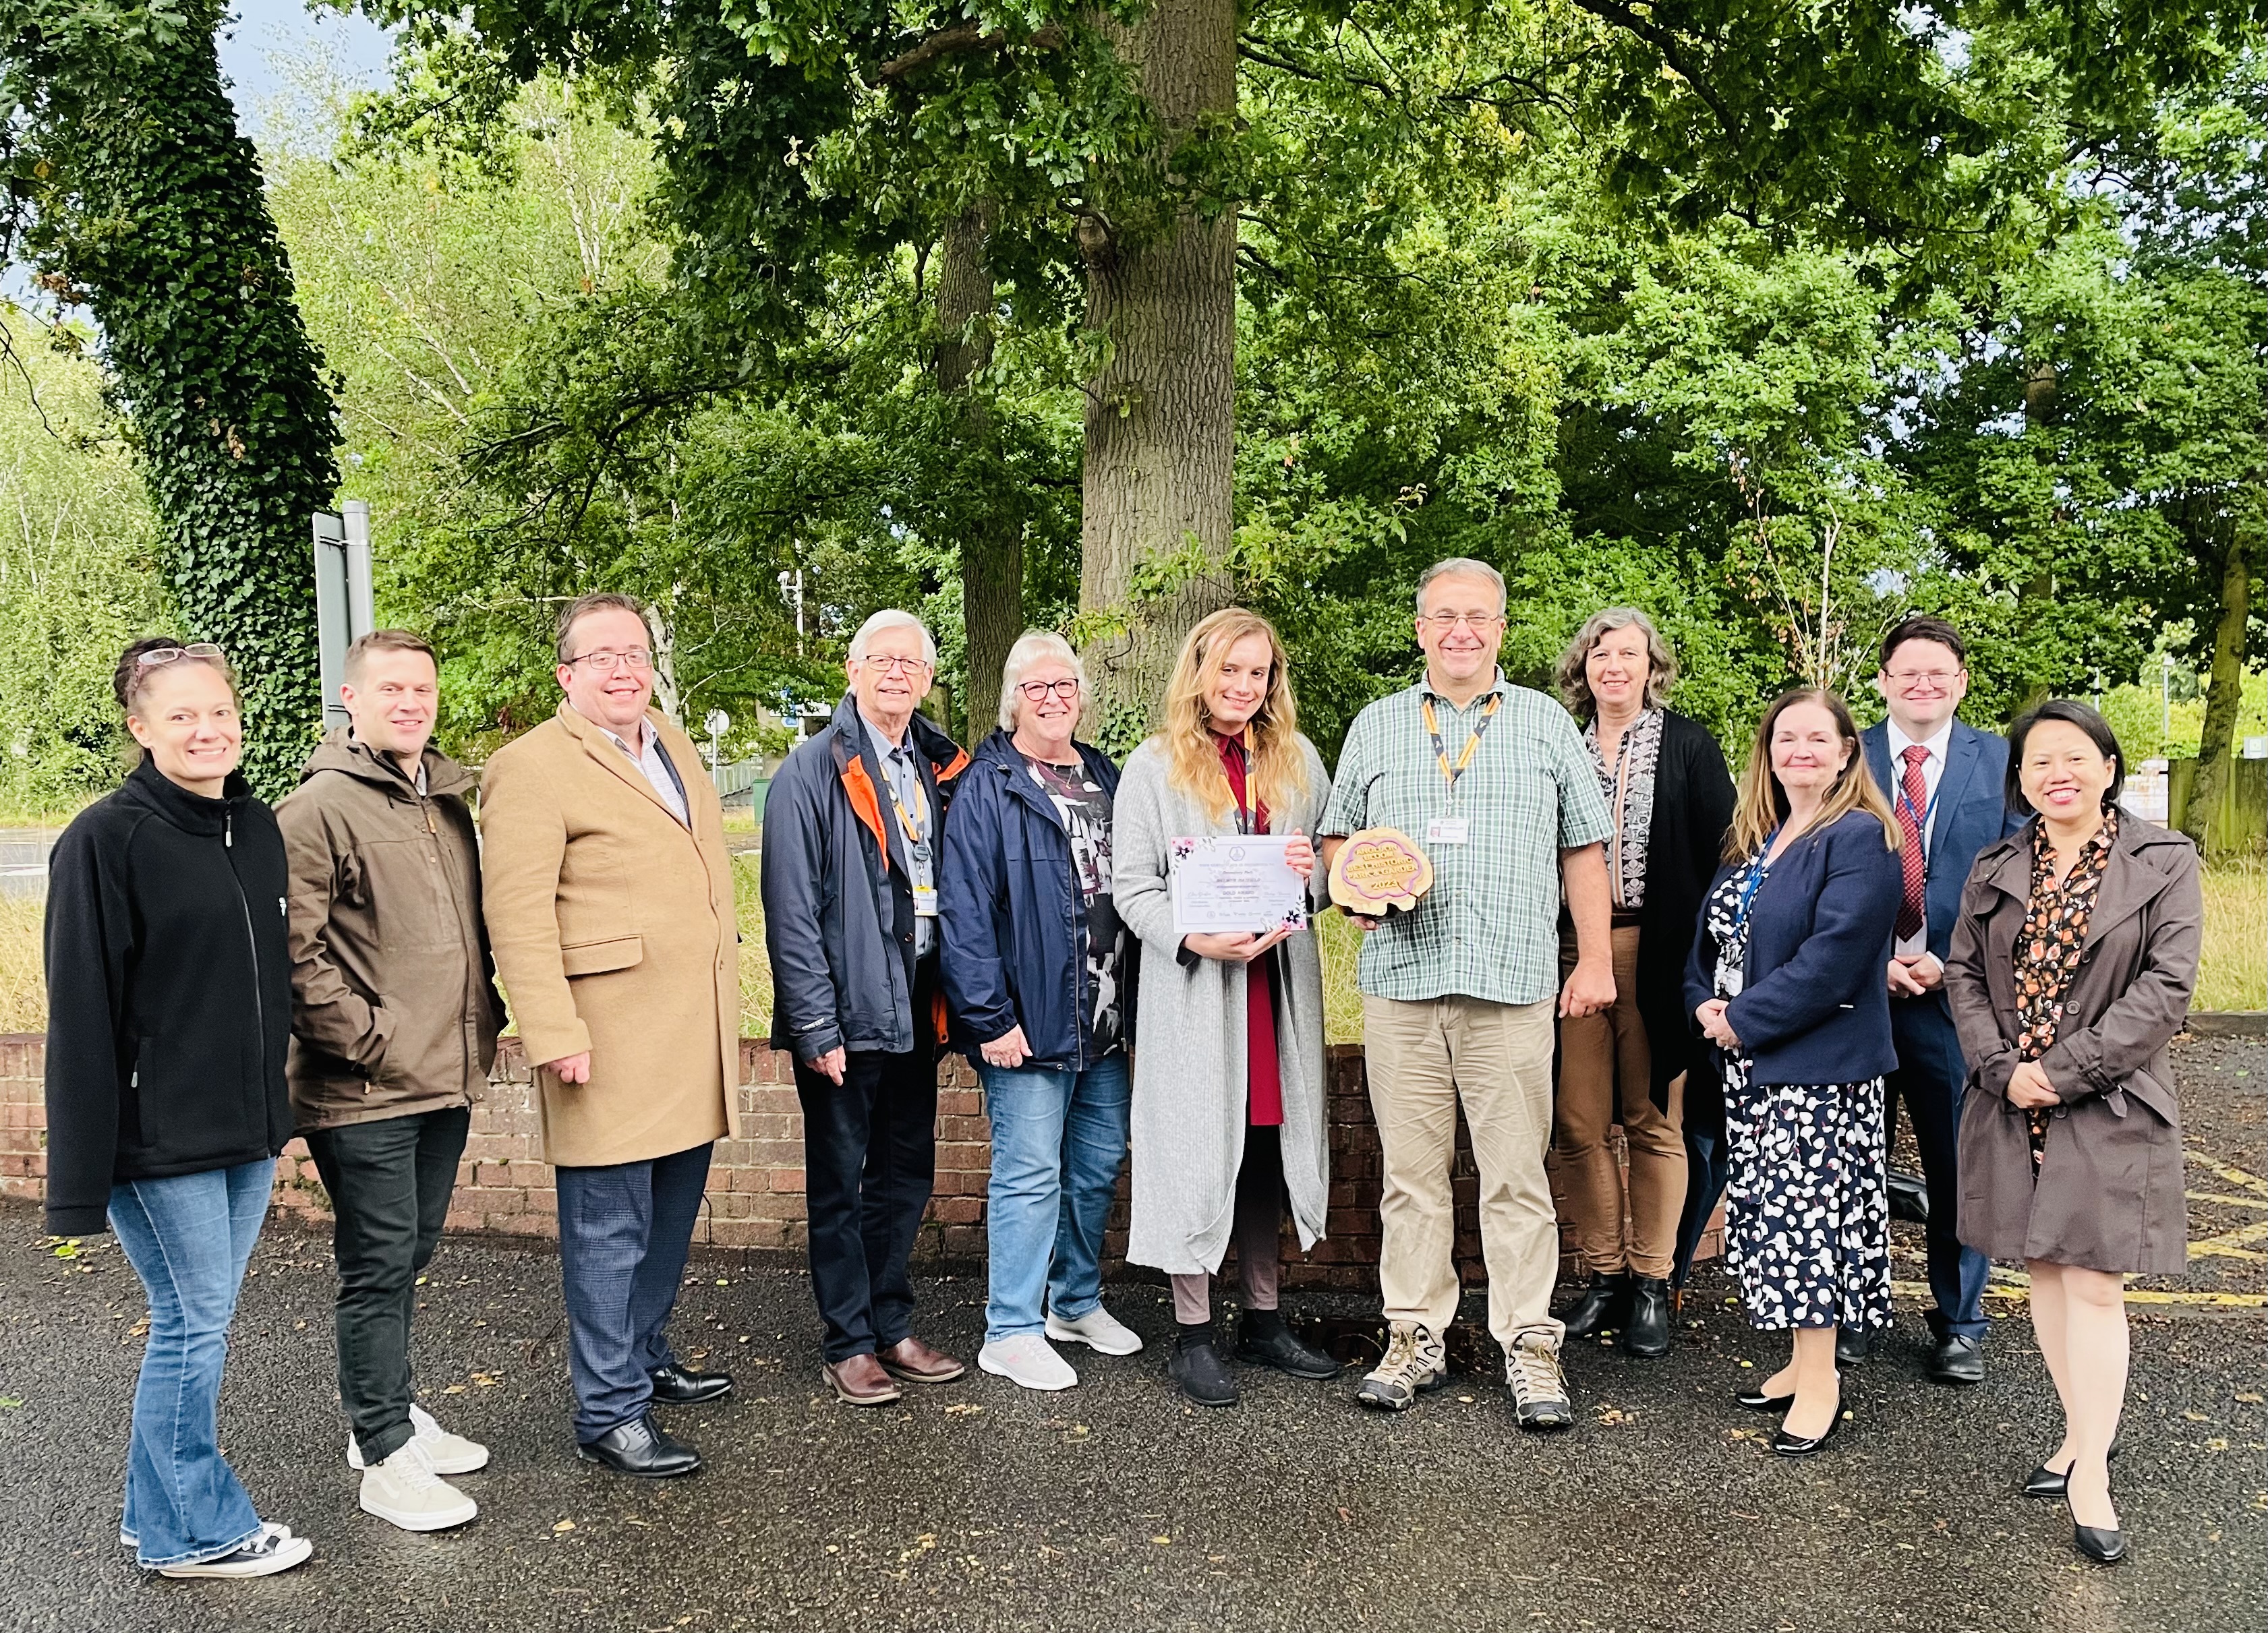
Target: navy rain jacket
[[1013, 919]]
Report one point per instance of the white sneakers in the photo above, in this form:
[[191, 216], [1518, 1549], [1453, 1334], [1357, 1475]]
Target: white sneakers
[[448, 1453], [404, 1491], [1029, 1360], [1097, 1329], [274, 1550]]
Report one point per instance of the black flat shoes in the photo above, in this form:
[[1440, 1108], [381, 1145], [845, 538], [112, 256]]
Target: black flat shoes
[[1757, 1400], [2104, 1547]]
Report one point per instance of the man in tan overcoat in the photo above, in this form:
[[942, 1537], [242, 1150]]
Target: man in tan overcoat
[[610, 908]]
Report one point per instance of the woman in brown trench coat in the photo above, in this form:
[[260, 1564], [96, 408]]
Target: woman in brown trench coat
[[2072, 963]]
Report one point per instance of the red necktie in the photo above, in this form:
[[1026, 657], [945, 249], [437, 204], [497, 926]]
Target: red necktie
[[1911, 857]]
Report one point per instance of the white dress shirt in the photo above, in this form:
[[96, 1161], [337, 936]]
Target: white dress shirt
[[1932, 773], [647, 756]]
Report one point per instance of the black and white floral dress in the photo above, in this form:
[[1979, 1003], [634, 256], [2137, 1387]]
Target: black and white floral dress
[[1807, 1197]]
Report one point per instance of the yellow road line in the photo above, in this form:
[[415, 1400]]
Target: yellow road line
[[2017, 1289]]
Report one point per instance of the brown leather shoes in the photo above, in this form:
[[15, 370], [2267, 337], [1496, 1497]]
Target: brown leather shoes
[[860, 1382], [912, 1361]]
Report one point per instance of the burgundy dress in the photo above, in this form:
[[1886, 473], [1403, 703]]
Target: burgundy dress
[[1263, 1098]]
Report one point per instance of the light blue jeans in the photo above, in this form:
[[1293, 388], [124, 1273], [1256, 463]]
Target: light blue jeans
[[1058, 1142], [188, 1239]]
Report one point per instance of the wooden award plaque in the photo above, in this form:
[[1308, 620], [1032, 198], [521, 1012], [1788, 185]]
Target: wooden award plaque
[[1379, 868]]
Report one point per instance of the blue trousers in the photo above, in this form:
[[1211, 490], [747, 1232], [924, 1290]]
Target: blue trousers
[[623, 1235], [188, 1238], [1931, 1079], [1058, 1142]]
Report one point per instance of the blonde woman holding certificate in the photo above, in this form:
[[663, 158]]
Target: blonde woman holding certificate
[[1228, 1029]]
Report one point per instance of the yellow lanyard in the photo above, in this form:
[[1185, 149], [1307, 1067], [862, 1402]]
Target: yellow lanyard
[[1441, 755], [915, 836]]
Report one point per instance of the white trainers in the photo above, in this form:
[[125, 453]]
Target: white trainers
[[448, 1453], [1097, 1329], [404, 1491], [274, 1550], [1029, 1360]]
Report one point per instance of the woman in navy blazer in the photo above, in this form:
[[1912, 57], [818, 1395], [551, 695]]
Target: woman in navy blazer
[[1786, 979]]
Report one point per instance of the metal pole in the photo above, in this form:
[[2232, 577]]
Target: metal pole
[[2165, 704], [331, 620]]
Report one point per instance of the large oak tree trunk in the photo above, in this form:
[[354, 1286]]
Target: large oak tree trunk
[[1161, 412], [2223, 692], [991, 538]]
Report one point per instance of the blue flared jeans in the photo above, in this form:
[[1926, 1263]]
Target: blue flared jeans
[[188, 1238], [1058, 1143]]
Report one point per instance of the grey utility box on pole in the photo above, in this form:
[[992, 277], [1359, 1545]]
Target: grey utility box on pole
[[343, 608]]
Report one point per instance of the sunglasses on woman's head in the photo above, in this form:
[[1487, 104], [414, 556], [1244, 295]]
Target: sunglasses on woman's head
[[158, 655]]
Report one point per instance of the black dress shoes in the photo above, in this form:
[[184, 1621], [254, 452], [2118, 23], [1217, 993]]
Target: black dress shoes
[[2104, 1547], [1757, 1400], [1263, 1340], [1954, 1359], [1850, 1346], [673, 1385], [1786, 1445], [1646, 1332], [643, 1448], [1195, 1365], [1602, 1307]]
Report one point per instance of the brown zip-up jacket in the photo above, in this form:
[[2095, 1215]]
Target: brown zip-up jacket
[[394, 1007]]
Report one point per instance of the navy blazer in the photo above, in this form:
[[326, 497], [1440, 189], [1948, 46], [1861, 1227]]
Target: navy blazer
[[1012, 915], [1972, 812], [1813, 1005]]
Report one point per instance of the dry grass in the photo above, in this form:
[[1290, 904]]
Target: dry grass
[[2234, 974]]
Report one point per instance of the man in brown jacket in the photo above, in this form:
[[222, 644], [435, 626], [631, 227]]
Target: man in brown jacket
[[610, 903], [394, 1027]]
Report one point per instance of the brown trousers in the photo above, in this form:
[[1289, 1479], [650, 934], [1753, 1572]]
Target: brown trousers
[[1606, 1075]]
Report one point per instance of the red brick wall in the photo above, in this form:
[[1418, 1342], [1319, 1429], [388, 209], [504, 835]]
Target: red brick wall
[[755, 1185]]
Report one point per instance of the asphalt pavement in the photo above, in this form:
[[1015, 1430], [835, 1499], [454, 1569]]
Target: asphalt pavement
[[1115, 1506]]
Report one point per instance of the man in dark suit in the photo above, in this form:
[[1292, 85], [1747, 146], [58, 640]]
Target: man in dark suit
[[1944, 780]]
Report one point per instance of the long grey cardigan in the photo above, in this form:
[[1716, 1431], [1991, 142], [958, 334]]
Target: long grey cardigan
[[1189, 1061], [2109, 1194]]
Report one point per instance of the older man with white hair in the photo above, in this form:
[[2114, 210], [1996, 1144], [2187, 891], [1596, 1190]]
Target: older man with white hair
[[852, 830]]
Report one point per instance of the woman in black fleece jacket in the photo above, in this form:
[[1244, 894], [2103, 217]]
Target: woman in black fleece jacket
[[169, 1009]]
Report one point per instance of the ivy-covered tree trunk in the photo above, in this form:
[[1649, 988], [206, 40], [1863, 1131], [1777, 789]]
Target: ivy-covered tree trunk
[[991, 540], [158, 223], [1161, 412], [2224, 691]]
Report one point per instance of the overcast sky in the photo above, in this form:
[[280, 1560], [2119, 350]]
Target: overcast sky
[[267, 31]]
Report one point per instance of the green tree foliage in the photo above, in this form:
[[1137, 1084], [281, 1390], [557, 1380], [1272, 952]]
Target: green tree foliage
[[79, 573], [136, 200]]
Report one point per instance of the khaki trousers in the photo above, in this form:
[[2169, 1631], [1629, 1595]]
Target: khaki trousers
[[1605, 1067], [1424, 1058]]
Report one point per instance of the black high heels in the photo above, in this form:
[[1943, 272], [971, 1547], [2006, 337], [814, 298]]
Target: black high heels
[[2104, 1546], [1757, 1400], [1786, 1445], [2047, 1482]]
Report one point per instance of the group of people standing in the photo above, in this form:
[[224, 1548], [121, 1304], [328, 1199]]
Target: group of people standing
[[1744, 978]]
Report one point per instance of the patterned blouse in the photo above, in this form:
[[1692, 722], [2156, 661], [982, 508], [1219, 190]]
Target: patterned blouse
[[1629, 792], [2049, 948]]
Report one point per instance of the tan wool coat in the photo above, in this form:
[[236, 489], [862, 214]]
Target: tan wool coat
[[614, 931], [2109, 1194]]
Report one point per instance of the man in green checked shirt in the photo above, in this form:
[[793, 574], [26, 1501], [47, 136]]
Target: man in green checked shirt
[[1460, 994]]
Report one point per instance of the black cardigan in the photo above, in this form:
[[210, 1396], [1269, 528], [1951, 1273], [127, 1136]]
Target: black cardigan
[[1693, 809], [169, 992]]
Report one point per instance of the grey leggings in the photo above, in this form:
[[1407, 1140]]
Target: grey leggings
[[1259, 1226]]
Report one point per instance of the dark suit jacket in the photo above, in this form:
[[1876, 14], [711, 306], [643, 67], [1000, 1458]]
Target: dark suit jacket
[[1814, 1007], [1971, 812], [1692, 808]]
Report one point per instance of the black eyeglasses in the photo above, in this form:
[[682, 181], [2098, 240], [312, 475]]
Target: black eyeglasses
[[1037, 691]]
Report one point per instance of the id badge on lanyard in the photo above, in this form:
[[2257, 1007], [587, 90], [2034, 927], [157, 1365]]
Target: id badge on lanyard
[[1447, 830], [1730, 976], [918, 851]]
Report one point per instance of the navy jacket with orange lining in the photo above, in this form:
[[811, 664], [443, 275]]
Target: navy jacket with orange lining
[[838, 897]]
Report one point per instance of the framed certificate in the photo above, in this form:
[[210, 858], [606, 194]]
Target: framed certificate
[[1235, 884]]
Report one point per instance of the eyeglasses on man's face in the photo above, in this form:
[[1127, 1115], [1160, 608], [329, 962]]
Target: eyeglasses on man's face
[[1480, 623], [1038, 691], [637, 659], [1912, 679], [891, 665]]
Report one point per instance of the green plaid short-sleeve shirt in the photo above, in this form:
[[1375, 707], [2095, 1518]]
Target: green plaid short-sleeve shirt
[[1488, 928]]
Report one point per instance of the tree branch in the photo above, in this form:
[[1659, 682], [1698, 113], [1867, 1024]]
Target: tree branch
[[964, 36]]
